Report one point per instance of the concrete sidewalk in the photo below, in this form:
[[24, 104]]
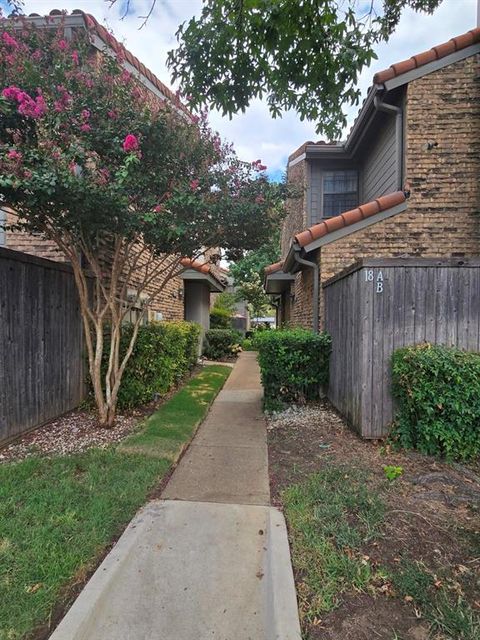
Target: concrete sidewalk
[[228, 458], [211, 559]]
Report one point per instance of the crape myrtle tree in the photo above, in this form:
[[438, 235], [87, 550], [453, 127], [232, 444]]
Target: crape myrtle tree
[[123, 184]]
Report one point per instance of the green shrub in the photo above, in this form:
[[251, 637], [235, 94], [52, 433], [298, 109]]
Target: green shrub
[[219, 342], [220, 319], [163, 354], [293, 364], [438, 400], [247, 344], [222, 311]]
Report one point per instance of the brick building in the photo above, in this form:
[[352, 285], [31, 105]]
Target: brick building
[[185, 296], [412, 157]]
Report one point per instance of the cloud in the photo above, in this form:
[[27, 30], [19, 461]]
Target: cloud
[[254, 133]]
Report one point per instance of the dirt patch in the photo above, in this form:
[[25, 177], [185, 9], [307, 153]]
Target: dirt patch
[[431, 522]]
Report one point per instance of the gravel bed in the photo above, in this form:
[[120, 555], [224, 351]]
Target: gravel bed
[[301, 417], [71, 433]]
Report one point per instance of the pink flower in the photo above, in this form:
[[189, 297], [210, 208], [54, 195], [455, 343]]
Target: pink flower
[[130, 143], [75, 58], [112, 114], [27, 173], [194, 184], [14, 155], [259, 199], [262, 167], [37, 55], [159, 208], [31, 108], [62, 45], [85, 114], [126, 75], [86, 128], [9, 41], [11, 93]]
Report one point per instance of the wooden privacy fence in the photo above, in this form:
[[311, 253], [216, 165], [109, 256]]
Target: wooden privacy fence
[[41, 344], [379, 305]]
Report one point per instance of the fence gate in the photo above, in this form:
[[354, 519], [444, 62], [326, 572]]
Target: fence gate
[[379, 305]]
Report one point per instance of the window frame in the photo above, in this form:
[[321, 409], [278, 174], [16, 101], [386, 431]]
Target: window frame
[[324, 172]]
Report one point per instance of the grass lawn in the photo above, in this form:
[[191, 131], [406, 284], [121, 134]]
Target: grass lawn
[[58, 515]]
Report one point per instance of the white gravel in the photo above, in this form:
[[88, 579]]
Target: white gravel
[[72, 433], [301, 417]]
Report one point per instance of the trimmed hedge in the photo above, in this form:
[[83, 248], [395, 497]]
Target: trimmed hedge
[[294, 365], [163, 354], [437, 390], [219, 342]]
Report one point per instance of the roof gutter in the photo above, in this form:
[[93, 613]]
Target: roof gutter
[[316, 294], [398, 113]]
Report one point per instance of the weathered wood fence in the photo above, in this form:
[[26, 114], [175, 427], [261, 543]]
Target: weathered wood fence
[[379, 305], [41, 345]]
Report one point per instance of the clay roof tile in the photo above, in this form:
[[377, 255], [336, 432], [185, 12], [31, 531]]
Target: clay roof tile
[[349, 217], [273, 268], [435, 53]]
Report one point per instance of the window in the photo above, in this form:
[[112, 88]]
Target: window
[[340, 192]]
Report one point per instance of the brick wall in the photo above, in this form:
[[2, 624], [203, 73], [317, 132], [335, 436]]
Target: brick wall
[[296, 218], [443, 214], [35, 245]]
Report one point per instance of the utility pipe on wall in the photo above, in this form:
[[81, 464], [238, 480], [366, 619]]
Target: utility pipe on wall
[[316, 286], [398, 112]]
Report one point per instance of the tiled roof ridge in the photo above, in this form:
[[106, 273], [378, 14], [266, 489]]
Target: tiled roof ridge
[[435, 53], [92, 24], [273, 268], [349, 217]]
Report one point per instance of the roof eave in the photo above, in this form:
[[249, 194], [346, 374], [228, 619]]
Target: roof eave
[[356, 226], [193, 275]]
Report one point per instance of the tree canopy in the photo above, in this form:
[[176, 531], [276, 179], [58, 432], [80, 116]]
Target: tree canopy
[[297, 55], [304, 55], [248, 273]]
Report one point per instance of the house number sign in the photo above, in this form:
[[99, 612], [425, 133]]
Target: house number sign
[[377, 278]]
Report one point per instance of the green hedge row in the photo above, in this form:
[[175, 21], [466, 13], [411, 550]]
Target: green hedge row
[[293, 363], [219, 342], [438, 400], [162, 356]]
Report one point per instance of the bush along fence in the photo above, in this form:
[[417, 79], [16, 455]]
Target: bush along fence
[[163, 354], [438, 394], [221, 343], [294, 365]]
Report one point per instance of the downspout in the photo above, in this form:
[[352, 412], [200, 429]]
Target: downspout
[[315, 301], [398, 112]]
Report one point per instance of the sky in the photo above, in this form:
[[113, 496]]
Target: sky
[[255, 133]]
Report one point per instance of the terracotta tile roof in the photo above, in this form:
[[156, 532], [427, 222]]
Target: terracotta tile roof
[[435, 53], [349, 217], [273, 268], [201, 267], [92, 25]]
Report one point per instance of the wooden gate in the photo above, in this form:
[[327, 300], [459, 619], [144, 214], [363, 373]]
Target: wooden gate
[[379, 305], [41, 342]]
